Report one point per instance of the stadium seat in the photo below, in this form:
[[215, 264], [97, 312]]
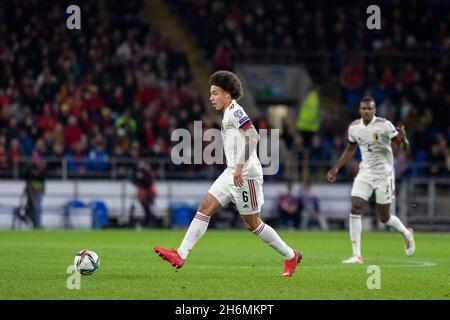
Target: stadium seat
[[182, 214]]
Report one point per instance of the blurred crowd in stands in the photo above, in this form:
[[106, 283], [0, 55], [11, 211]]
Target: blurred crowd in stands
[[116, 89], [113, 89], [405, 66]]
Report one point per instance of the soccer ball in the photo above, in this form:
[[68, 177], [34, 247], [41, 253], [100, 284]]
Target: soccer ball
[[86, 262]]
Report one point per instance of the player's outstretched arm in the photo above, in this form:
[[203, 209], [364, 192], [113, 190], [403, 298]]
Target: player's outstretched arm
[[348, 153]]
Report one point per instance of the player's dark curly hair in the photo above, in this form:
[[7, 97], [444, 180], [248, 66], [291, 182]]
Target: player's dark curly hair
[[368, 99], [228, 82]]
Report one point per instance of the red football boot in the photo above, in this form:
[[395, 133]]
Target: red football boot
[[171, 256], [291, 265]]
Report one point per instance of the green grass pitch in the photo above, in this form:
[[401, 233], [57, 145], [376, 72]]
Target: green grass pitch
[[231, 265]]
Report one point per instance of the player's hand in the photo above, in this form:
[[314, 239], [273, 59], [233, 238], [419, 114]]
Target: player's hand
[[237, 177], [401, 132], [331, 175]]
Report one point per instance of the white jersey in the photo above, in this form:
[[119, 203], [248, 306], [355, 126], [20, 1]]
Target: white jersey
[[234, 121], [374, 141]]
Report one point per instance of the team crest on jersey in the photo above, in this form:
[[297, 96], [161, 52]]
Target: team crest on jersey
[[375, 136], [238, 113]]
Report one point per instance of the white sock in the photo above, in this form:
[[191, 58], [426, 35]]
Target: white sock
[[271, 237], [355, 233], [395, 223], [196, 230]]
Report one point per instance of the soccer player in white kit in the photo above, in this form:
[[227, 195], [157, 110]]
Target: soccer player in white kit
[[241, 182], [376, 173]]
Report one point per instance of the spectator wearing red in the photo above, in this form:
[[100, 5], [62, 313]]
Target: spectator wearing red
[[149, 134], [85, 122], [288, 208], [3, 154], [14, 153], [352, 74], [46, 121], [409, 75], [222, 56], [92, 101], [72, 132], [388, 77], [76, 104], [5, 100]]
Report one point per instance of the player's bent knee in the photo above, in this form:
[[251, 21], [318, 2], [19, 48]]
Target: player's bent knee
[[357, 205]]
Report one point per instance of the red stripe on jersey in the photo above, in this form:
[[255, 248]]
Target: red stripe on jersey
[[246, 125]]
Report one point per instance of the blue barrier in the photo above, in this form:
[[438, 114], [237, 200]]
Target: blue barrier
[[99, 214], [182, 214]]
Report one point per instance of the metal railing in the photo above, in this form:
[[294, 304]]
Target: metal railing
[[425, 201], [296, 167], [421, 202]]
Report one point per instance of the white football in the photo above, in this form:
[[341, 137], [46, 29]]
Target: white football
[[86, 262]]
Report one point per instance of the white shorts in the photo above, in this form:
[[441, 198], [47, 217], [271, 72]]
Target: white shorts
[[383, 184], [248, 199]]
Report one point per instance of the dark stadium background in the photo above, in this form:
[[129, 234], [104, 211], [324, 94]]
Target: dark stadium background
[[91, 103], [86, 119]]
